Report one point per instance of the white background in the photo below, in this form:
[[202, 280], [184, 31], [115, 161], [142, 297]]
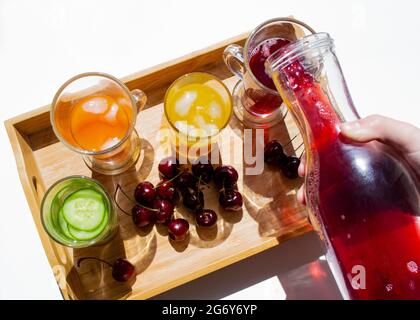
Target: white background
[[43, 43]]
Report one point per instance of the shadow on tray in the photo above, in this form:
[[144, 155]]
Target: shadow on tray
[[269, 197], [94, 279]]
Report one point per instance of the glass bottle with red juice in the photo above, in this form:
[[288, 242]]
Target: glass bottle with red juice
[[363, 196]]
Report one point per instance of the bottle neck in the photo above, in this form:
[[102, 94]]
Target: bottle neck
[[316, 115], [309, 78]]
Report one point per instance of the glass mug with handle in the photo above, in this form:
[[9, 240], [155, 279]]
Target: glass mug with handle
[[257, 103], [94, 114]]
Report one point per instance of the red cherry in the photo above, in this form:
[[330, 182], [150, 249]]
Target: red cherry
[[186, 180], [203, 169], [290, 168], [230, 200], [122, 270], [165, 210], [206, 218], [225, 176], [145, 192], [178, 229], [166, 190], [273, 152], [193, 199], [142, 216], [168, 167]]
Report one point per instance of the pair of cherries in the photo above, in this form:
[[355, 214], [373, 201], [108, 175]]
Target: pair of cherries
[[274, 155]]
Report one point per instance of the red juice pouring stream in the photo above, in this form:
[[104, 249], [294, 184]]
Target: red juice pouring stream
[[364, 198]]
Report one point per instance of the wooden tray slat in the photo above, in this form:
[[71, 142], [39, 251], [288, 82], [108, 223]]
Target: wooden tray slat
[[270, 216]]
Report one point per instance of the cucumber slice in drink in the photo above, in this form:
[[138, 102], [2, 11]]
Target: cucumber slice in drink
[[63, 224], [88, 235], [84, 210], [89, 193]]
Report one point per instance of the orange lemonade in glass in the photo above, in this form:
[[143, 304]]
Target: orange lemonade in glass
[[97, 122], [94, 114]]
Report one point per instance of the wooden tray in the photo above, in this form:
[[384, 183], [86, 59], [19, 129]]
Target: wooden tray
[[270, 214]]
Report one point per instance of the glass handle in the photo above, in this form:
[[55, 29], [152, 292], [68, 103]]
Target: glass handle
[[234, 59], [140, 98]]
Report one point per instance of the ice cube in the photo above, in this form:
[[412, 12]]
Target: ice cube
[[182, 126], [215, 110], [111, 115], [95, 105], [110, 143], [214, 84], [194, 132], [199, 121], [211, 129], [218, 89], [183, 104]]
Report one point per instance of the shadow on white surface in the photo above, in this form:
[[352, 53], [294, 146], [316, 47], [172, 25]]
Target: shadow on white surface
[[292, 270]]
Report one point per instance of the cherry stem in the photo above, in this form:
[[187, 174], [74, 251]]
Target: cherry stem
[[205, 184], [116, 202], [223, 187], [92, 258], [299, 146], [124, 193], [202, 182], [172, 179], [291, 140], [198, 183], [301, 154], [176, 176], [128, 197], [303, 151]]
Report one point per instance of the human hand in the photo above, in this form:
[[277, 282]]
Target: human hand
[[402, 136]]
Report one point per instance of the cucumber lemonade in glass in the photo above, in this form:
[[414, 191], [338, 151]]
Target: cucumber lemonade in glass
[[78, 212]]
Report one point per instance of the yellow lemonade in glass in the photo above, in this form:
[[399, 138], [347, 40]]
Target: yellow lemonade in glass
[[197, 106]]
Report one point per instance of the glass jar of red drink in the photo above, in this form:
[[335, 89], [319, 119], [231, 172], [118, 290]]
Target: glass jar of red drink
[[363, 196], [256, 101]]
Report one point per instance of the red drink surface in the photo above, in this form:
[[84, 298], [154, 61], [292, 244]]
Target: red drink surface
[[259, 55], [365, 198], [264, 102]]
